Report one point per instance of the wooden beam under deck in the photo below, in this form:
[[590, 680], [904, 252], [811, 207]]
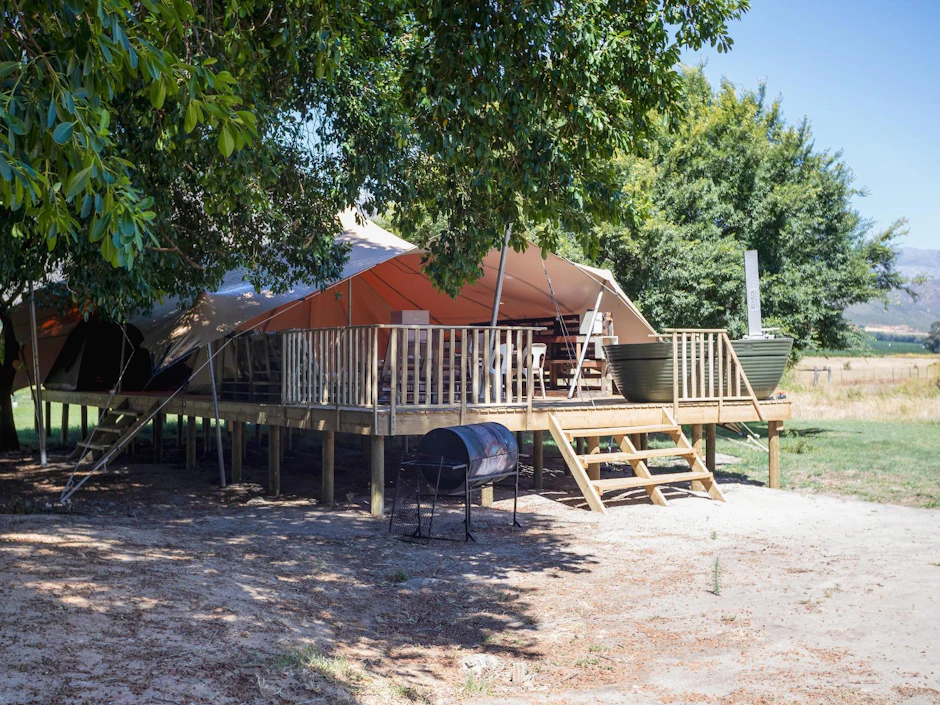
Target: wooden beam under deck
[[369, 421]]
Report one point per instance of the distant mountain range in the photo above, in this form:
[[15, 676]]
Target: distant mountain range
[[904, 315]]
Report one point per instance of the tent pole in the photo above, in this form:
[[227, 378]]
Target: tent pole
[[587, 340], [500, 276], [38, 402], [218, 426]]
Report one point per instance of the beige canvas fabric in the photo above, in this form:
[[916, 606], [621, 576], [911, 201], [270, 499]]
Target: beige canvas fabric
[[383, 274]]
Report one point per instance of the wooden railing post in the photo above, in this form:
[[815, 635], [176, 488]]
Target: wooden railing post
[[393, 371], [675, 374]]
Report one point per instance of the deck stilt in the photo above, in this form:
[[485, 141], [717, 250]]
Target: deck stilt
[[48, 418], [594, 446], [64, 429], [377, 461], [773, 445], [190, 442], [710, 446], [158, 438], [486, 496], [538, 460], [274, 461], [329, 467], [698, 443], [238, 450], [206, 435], [83, 415]]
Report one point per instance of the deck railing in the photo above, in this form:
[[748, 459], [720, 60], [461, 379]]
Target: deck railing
[[706, 368], [408, 367]]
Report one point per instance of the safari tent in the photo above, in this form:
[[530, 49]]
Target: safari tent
[[381, 353]]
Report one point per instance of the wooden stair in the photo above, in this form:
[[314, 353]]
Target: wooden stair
[[586, 467], [114, 431]]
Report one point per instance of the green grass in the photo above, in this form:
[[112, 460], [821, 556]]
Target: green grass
[[875, 461]]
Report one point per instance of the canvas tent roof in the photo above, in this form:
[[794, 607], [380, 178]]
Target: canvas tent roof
[[170, 333], [383, 274]]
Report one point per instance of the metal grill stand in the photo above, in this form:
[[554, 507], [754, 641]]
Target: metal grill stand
[[412, 516]]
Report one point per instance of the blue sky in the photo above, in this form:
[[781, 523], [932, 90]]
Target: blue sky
[[867, 74]]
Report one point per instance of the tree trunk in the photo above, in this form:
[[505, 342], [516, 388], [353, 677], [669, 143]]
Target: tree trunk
[[9, 352]]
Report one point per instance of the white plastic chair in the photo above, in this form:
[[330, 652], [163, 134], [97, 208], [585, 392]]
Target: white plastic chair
[[539, 351]]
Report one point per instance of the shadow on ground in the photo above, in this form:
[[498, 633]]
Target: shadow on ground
[[159, 586]]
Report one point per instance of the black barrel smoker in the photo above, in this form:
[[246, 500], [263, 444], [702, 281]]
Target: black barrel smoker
[[452, 461]]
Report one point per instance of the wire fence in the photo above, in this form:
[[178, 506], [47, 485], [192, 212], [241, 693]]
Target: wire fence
[[818, 376]]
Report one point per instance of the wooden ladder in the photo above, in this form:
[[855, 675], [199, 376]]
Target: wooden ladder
[[586, 468], [115, 429]]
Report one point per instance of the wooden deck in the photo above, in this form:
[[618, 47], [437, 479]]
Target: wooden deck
[[337, 380]]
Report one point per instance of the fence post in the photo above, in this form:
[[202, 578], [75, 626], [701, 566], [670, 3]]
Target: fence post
[[815, 376]]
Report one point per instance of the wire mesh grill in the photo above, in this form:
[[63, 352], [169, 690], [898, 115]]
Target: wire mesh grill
[[416, 495]]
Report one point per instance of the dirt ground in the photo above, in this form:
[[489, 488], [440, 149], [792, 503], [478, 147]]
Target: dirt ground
[[160, 588]]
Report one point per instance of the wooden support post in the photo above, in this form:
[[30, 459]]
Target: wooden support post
[[64, 430], [83, 415], [190, 442], [238, 450], [773, 445], [377, 461], [520, 441], [257, 434], [328, 463], [698, 444], [710, 446], [486, 496], [644, 441], [158, 438], [274, 461], [594, 446], [179, 430], [48, 418], [206, 435], [538, 459]]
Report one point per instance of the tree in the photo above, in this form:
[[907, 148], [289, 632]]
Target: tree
[[151, 147], [734, 176], [932, 341]]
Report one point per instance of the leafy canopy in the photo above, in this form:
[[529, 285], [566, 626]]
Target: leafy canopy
[[932, 342], [734, 176], [151, 146]]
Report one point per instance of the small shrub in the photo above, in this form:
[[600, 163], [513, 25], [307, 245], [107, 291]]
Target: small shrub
[[716, 577], [399, 576]]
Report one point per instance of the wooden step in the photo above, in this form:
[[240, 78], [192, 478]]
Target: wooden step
[[126, 412], [110, 429], [92, 446], [625, 483], [620, 430], [599, 458]]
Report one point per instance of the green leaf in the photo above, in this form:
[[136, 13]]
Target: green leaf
[[192, 116], [157, 94], [226, 142], [63, 132], [8, 67], [77, 182]]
